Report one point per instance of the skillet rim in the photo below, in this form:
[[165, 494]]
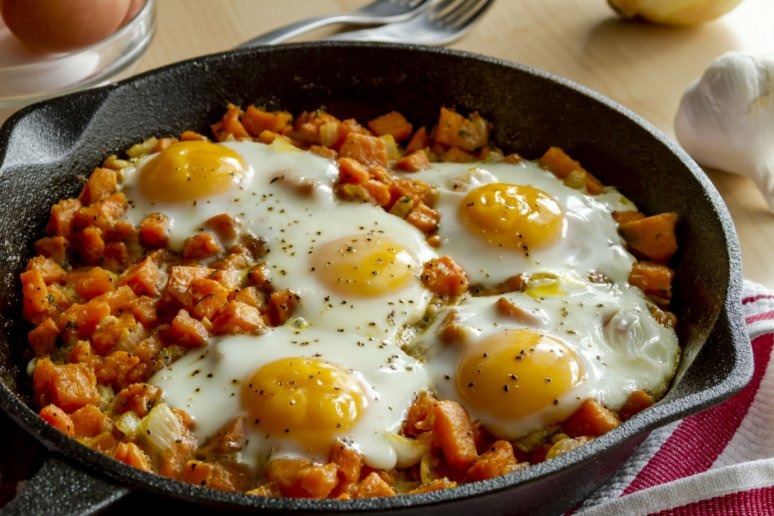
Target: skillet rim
[[729, 324]]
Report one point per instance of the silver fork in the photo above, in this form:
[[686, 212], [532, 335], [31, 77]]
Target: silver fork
[[375, 13], [444, 22]]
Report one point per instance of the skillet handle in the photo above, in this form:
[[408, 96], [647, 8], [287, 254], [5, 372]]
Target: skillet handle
[[59, 488]]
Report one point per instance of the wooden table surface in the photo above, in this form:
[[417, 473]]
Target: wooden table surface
[[644, 67]]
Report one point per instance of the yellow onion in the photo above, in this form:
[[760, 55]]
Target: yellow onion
[[673, 12]]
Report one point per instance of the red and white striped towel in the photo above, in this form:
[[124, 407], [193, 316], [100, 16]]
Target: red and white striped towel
[[719, 461]]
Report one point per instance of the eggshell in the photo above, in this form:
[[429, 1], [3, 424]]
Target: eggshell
[[134, 8], [63, 25]]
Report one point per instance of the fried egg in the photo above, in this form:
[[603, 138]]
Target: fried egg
[[300, 391], [523, 360], [500, 219], [334, 372], [355, 268]]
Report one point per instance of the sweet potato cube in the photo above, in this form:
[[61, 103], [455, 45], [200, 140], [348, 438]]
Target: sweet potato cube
[[454, 433], [368, 150], [652, 237], [154, 231], [187, 331], [68, 386], [465, 133], [237, 317], [100, 185], [392, 123], [591, 419], [58, 418], [413, 162]]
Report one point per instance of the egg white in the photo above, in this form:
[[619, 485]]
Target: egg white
[[207, 384], [288, 201], [622, 348], [589, 240]]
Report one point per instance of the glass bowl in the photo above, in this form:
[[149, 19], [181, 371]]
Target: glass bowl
[[27, 76]]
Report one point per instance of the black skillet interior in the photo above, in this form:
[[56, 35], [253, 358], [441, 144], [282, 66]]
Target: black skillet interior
[[45, 148]]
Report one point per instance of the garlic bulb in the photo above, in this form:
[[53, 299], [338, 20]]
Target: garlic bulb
[[725, 119], [674, 12]]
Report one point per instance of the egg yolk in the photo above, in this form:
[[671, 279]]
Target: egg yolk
[[191, 170], [516, 373], [364, 266], [518, 217], [308, 400]]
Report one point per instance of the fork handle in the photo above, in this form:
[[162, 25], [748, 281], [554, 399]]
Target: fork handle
[[297, 28]]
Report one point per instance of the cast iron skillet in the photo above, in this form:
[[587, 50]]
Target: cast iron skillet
[[46, 147]]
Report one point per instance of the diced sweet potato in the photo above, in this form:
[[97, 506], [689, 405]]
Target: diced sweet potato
[[51, 271], [654, 279], [68, 386], [256, 120], [89, 245], [444, 277], [419, 140], [652, 237], [130, 453], [424, 218], [348, 461], [144, 278], [591, 419], [84, 318], [236, 317], [352, 171], [419, 417], [201, 246], [434, 485], [121, 369], [60, 222], [413, 162], [368, 150], [35, 302], [101, 184], [453, 431], [122, 332], [58, 418], [556, 160], [392, 123], [43, 337], [228, 440], [91, 282], [90, 421], [179, 283], [457, 131], [373, 486], [139, 398], [224, 225], [225, 476], [192, 136], [53, 247], [498, 460], [280, 307], [302, 478], [622, 217], [187, 331], [637, 401], [154, 231], [208, 296], [230, 126]]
